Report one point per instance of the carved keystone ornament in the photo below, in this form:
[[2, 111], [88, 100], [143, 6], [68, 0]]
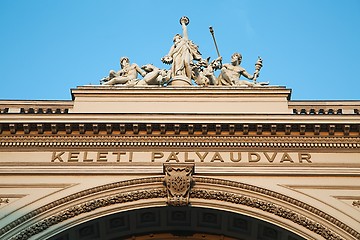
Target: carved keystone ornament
[[188, 68], [178, 181]]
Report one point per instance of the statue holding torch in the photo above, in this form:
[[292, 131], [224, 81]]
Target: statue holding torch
[[231, 72]]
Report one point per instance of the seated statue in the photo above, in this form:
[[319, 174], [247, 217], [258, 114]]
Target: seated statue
[[154, 76], [231, 73], [127, 74]]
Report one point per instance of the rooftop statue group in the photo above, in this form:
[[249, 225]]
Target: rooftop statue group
[[187, 68]]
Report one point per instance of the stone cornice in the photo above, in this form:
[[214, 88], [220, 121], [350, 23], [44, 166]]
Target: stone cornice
[[179, 91], [272, 99], [181, 118], [181, 124]]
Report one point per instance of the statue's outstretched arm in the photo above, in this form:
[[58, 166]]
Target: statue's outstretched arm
[[247, 75], [184, 21], [168, 58]]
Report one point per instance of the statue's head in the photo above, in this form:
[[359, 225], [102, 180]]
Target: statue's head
[[236, 57], [123, 61], [177, 38]]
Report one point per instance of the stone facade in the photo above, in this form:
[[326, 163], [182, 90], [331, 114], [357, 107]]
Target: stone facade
[[290, 169]]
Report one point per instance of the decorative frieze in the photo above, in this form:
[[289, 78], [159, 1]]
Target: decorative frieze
[[88, 207], [105, 141], [78, 195], [266, 206], [260, 129]]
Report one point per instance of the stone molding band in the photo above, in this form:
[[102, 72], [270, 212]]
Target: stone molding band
[[237, 129], [51, 142]]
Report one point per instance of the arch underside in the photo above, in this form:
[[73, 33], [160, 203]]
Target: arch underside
[[137, 208], [176, 223]]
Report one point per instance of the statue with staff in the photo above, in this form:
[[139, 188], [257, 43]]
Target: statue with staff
[[231, 72]]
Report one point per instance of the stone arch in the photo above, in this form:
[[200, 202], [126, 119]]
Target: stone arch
[[224, 195]]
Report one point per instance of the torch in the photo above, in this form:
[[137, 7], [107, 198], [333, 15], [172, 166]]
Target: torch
[[258, 66]]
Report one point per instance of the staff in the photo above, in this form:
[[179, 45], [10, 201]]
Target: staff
[[213, 36]]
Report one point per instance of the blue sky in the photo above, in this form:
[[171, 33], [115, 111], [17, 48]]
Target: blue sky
[[48, 47]]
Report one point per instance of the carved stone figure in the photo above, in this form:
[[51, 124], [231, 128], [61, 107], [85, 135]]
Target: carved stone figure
[[128, 73], [181, 55], [154, 76], [187, 67], [197, 73], [231, 73], [178, 181], [203, 71]]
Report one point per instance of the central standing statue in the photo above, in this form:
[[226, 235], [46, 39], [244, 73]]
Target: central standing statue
[[181, 56]]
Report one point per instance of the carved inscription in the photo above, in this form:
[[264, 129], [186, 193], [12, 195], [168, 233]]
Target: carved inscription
[[183, 157]]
